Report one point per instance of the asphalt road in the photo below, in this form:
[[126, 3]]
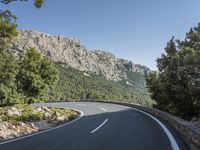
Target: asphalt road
[[102, 126]]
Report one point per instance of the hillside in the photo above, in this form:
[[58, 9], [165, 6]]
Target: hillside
[[86, 74], [76, 85], [70, 52]]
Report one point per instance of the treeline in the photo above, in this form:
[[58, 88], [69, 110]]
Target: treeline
[[176, 85], [74, 85]]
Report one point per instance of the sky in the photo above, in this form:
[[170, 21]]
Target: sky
[[136, 30]]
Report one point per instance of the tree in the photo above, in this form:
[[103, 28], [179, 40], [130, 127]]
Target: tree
[[8, 65], [36, 76], [190, 69], [152, 82], [8, 71], [176, 87], [37, 3], [8, 29]]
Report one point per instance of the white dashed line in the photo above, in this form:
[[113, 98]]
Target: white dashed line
[[103, 109], [93, 131]]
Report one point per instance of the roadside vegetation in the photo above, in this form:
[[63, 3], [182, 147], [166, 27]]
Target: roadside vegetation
[[23, 80], [27, 113], [176, 85], [22, 119]]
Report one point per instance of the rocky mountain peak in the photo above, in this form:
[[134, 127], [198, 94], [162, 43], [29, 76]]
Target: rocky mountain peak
[[71, 52]]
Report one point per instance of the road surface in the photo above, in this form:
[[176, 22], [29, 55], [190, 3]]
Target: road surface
[[102, 126]]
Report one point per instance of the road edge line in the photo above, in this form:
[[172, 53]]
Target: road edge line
[[173, 142]]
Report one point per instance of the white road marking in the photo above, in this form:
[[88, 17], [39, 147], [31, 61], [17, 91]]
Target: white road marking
[[103, 109], [40, 132], [93, 131], [174, 145]]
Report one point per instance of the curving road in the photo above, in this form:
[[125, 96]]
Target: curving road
[[102, 126]]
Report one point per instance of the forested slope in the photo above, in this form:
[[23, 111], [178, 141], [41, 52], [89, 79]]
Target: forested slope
[[76, 85]]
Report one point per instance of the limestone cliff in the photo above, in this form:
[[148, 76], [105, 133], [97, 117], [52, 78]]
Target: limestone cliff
[[71, 52]]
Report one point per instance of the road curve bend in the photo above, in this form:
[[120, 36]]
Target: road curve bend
[[102, 126]]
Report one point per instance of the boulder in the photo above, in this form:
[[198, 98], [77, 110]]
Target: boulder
[[13, 111], [46, 109], [39, 109], [60, 119], [47, 115], [57, 114]]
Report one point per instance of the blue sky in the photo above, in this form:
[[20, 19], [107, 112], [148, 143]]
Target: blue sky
[[137, 30]]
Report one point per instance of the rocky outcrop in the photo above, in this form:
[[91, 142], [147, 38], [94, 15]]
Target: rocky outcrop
[[12, 128], [70, 52], [13, 111]]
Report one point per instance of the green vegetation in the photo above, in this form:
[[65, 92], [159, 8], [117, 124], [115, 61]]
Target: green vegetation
[[176, 87], [8, 66], [22, 80], [74, 85], [36, 76], [68, 114], [37, 3], [28, 80], [29, 114], [136, 79]]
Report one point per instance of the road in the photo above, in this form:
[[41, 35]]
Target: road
[[102, 126]]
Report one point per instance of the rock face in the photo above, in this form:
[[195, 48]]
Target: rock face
[[71, 52]]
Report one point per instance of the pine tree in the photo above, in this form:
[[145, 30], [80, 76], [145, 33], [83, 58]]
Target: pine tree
[[37, 3], [36, 76], [8, 64], [176, 87]]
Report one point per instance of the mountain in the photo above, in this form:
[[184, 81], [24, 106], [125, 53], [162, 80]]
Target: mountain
[[71, 52], [86, 74]]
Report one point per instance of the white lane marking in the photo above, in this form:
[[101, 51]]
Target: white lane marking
[[174, 145], [102, 109], [93, 131], [40, 132]]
